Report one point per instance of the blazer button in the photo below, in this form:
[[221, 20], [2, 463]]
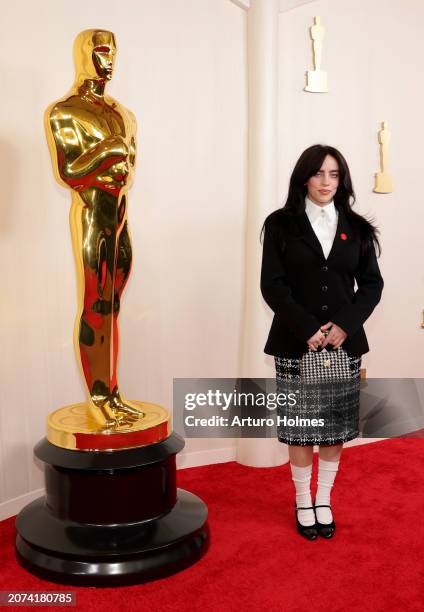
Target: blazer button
[[324, 269], [324, 288], [325, 307]]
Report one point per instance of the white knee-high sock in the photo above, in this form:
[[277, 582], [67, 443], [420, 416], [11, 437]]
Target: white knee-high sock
[[301, 477], [327, 471]]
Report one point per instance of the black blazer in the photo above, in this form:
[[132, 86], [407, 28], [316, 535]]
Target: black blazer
[[305, 290]]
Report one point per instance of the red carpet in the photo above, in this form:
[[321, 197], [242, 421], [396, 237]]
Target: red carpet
[[257, 561]]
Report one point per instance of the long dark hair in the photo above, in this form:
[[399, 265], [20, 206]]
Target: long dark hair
[[307, 165]]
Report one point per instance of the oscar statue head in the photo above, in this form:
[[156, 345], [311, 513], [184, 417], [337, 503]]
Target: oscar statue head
[[94, 55]]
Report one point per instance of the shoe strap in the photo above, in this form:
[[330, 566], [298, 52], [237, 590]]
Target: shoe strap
[[310, 508], [322, 506]]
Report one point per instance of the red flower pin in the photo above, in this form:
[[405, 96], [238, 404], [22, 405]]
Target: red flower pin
[[343, 236]]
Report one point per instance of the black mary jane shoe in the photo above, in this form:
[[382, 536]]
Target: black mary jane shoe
[[325, 530], [310, 532]]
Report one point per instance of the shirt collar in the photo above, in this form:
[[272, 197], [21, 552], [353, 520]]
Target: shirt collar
[[314, 210]]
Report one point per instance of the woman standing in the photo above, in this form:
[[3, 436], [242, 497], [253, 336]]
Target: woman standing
[[315, 247]]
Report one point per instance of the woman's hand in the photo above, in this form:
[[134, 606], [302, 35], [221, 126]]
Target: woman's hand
[[316, 340], [336, 336]]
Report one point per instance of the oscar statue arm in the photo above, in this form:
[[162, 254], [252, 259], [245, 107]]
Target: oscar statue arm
[[131, 124], [77, 156], [133, 141], [101, 155]]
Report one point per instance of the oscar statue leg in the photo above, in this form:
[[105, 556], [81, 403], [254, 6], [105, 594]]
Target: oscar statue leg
[[95, 335], [123, 268]]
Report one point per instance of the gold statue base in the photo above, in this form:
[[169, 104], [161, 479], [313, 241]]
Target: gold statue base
[[316, 81], [74, 428], [383, 183]]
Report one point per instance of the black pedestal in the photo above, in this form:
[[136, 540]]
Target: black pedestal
[[111, 518]]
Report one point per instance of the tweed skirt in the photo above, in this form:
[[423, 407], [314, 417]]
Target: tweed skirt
[[324, 413]]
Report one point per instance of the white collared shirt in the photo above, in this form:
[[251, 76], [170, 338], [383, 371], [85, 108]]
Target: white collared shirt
[[324, 223]]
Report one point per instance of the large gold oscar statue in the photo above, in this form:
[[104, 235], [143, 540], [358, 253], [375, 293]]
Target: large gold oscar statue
[[111, 513], [92, 140]]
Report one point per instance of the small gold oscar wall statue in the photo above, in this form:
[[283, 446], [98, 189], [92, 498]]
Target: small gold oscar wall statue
[[383, 179], [316, 80], [92, 141]]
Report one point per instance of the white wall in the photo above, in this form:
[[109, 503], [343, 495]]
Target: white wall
[[181, 69], [373, 55]]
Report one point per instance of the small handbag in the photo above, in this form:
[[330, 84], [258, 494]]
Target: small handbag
[[325, 366]]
